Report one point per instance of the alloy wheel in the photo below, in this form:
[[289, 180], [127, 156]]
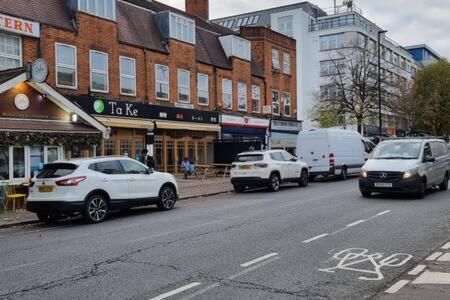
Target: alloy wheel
[[97, 209], [275, 183], [168, 198]]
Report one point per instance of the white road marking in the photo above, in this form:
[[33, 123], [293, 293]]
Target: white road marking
[[21, 266], [176, 291], [396, 287], [232, 277], [445, 257], [355, 223], [383, 213], [434, 256], [446, 246], [433, 278], [417, 270], [315, 238], [257, 260]]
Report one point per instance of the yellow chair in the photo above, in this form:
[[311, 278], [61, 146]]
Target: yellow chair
[[10, 193]]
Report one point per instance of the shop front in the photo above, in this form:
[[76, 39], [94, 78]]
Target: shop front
[[176, 132], [38, 125], [284, 134], [238, 128]]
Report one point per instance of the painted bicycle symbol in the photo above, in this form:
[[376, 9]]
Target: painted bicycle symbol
[[360, 260]]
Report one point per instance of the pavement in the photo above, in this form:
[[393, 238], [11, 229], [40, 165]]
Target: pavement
[[189, 188], [320, 242]]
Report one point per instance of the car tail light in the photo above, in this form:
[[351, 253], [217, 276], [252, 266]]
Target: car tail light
[[233, 166], [30, 183], [71, 181], [331, 159], [262, 165]]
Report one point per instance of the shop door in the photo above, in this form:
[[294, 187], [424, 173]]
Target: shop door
[[171, 163], [181, 153]]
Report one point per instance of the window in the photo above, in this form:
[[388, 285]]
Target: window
[[241, 48], [287, 156], [333, 41], [372, 46], [127, 76], [162, 82], [388, 55], [396, 57], [66, 66], [256, 98], [184, 86], [244, 22], [427, 151], [403, 63], [239, 22], [227, 94], [242, 96], [275, 59], [10, 52], [361, 40], [287, 104], [182, 28], [277, 156], [18, 163], [99, 71], [256, 20], [331, 67], [276, 102], [57, 170], [203, 89], [286, 63], [249, 157], [4, 162], [101, 8], [285, 25], [131, 167], [110, 167]]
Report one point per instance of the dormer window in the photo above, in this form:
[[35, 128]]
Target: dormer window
[[236, 46], [100, 8], [182, 28]]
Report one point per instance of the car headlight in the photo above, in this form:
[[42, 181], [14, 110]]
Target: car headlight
[[409, 173], [364, 174]]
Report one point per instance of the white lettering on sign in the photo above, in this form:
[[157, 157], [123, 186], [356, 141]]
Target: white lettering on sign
[[129, 110], [359, 259], [20, 26]]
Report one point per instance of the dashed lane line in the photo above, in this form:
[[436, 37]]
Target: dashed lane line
[[396, 287], [446, 246], [433, 278], [355, 223], [434, 256], [257, 260], [384, 212], [445, 257], [418, 269], [177, 291], [315, 238]]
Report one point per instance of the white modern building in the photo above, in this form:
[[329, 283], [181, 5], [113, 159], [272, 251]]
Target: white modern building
[[321, 35]]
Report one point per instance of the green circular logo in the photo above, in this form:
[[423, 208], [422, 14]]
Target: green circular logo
[[99, 106]]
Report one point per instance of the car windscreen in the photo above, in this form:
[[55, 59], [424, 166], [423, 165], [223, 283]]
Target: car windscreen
[[249, 157], [56, 170], [399, 150]]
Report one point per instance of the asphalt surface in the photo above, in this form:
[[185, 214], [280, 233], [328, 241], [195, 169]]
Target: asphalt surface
[[206, 248]]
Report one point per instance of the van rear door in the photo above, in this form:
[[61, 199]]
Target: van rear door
[[314, 150]]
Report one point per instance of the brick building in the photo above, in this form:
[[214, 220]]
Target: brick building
[[137, 66]]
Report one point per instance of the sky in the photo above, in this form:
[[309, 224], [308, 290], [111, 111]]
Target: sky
[[409, 22]]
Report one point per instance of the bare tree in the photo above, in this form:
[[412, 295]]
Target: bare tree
[[351, 87]]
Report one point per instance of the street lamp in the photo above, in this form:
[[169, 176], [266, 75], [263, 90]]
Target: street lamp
[[379, 79]]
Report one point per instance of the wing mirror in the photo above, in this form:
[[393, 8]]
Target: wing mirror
[[429, 159], [294, 159]]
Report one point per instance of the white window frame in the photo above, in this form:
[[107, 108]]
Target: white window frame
[[95, 13], [242, 95], [241, 48], [66, 66], [91, 71], [325, 41], [206, 77], [231, 93], [256, 98], [287, 63], [174, 20], [162, 82], [284, 104], [133, 77], [279, 103], [282, 25], [276, 62], [19, 57], [188, 86]]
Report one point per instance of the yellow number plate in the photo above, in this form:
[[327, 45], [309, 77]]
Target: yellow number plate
[[46, 189], [245, 167]]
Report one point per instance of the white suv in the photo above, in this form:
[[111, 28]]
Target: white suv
[[267, 168], [92, 187]]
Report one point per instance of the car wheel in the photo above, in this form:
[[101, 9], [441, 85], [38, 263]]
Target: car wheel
[[304, 179], [274, 182], [239, 188], [366, 194], [48, 218], [167, 198], [96, 209], [344, 174], [444, 185], [422, 190]]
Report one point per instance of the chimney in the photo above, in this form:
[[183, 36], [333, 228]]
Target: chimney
[[199, 8]]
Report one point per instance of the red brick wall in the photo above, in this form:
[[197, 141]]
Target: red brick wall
[[198, 8]]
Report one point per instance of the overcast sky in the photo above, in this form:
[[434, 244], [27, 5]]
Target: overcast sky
[[409, 22]]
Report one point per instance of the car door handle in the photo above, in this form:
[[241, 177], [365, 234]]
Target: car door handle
[[132, 179], [104, 180]]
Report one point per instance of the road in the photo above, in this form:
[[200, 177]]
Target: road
[[256, 245]]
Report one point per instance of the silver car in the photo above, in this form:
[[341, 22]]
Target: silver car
[[406, 166]]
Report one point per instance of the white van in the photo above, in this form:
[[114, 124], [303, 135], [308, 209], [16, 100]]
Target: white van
[[333, 152]]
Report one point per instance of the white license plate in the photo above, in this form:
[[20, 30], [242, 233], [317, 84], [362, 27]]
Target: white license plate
[[383, 184]]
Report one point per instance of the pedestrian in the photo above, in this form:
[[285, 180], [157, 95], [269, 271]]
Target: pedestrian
[[147, 159], [185, 167]]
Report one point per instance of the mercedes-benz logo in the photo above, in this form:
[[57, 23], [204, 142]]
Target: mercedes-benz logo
[[383, 175]]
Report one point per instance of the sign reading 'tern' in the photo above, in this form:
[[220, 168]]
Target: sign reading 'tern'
[[19, 26]]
